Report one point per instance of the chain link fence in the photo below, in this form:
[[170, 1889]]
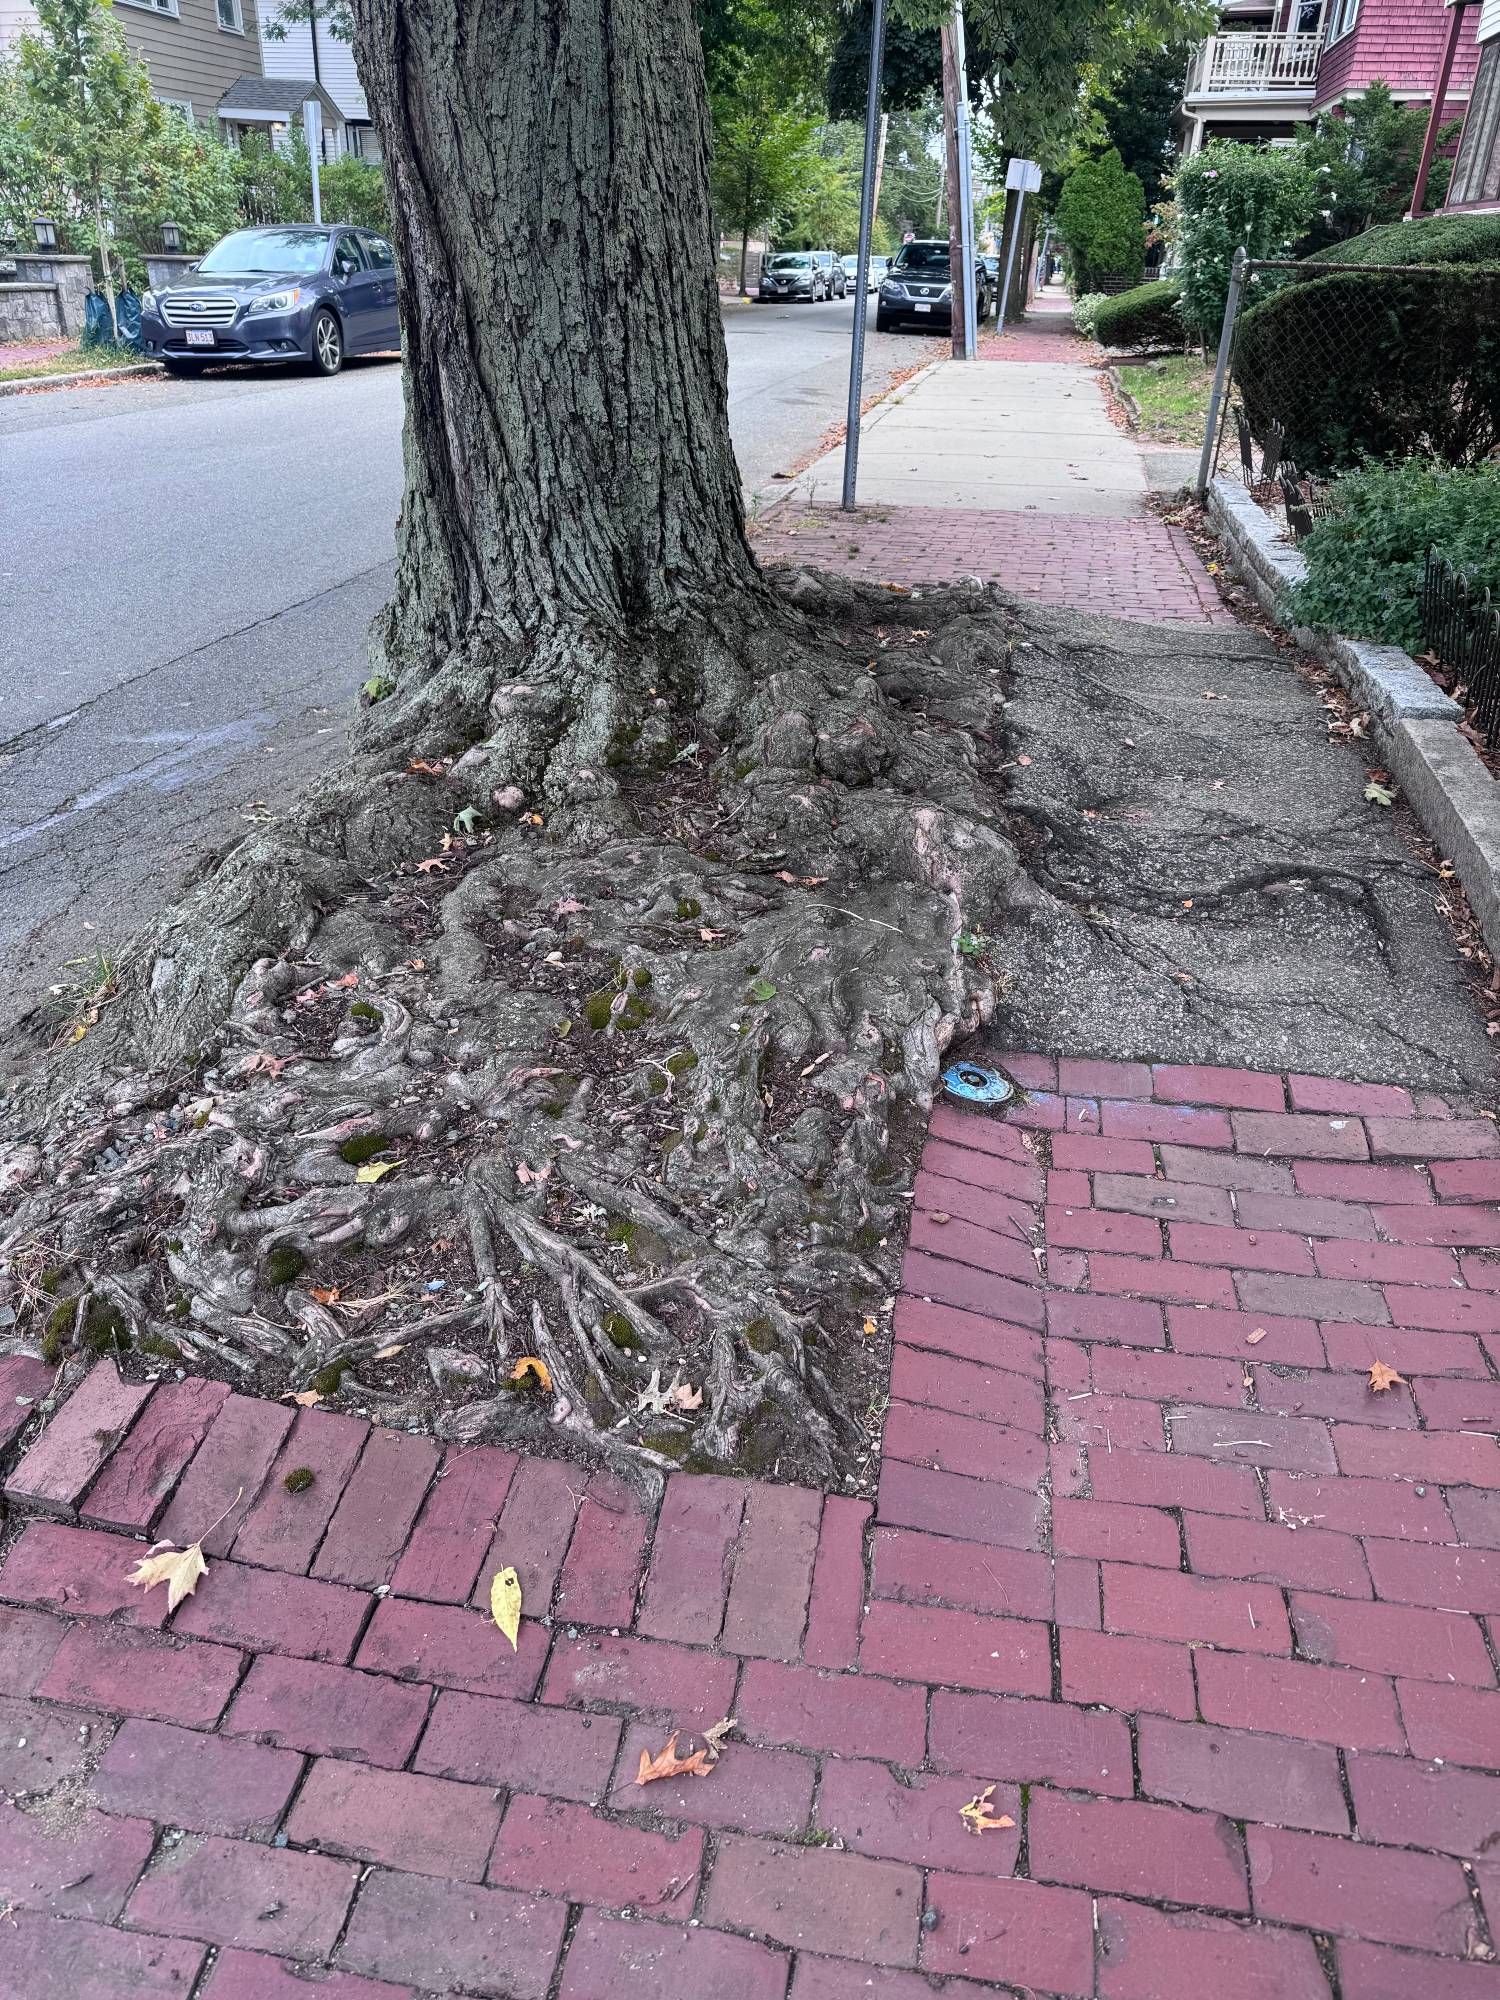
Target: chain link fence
[[1325, 365]]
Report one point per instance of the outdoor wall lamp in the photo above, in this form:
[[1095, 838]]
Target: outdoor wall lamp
[[171, 237], [46, 233]]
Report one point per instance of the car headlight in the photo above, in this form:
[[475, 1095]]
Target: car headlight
[[148, 302], [891, 290], [275, 302]]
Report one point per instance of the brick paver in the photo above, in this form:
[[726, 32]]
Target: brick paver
[[1214, 1618]]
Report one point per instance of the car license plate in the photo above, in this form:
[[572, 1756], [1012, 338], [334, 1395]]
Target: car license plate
[[200, 336], [924, 309]]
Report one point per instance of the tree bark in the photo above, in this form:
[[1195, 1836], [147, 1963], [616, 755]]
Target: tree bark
[[568, 462]]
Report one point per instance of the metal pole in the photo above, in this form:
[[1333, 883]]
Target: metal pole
[[966, 186], [1221, 369], [874, 143], [312, 131], [1435, 116], [953, 180], [1010, 258]]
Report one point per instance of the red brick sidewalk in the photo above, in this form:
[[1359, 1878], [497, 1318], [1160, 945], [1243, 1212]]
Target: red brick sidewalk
[[1151, 1559], [1140, 569]]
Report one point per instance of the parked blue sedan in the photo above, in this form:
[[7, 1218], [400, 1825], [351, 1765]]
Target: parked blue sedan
[[296, 292]]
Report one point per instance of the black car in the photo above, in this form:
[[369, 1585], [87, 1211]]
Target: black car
[[299, 292], [916, 289]]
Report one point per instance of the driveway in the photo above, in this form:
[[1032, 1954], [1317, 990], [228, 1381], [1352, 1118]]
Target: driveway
[[189, 570]]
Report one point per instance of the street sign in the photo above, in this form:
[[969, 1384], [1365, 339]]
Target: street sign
[[1023, 175]]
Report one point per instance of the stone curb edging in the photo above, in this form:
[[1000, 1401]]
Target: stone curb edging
[[1416, 724], [79, 379]]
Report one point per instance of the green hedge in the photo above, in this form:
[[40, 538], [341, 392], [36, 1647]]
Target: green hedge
[[1443, 239], [1364, 562], [1375, 364], [1145, 317]]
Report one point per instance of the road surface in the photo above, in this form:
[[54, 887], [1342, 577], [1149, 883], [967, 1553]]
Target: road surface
[[187, 571]]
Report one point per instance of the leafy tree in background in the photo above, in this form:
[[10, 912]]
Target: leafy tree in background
[[1228, 195], [1137, 112], [763, 165], [1101, 217], [1363, 159], [87, 121]]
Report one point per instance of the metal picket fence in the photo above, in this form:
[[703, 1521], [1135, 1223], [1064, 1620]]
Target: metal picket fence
[[1461, 628]]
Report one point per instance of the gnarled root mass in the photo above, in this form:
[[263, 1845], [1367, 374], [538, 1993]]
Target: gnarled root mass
[[592, 1016]]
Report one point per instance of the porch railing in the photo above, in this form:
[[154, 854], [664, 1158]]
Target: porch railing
[[1246, 65]]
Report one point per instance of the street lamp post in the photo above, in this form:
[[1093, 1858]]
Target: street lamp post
[[862, 273]]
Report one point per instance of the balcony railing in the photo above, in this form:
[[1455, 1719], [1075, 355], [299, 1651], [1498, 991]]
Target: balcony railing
[[1252, 65]]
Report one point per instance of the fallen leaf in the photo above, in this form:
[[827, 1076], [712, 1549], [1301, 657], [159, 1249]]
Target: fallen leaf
[[762, 991], [263, 1062], [531, 819], [678, 1395], [346, 979], [178, 1569], [530, 1365], [1023, 760], [422, 764], [713, 1739], [432, 866], [466, 821], [686, 1397], [1380, 795], [667, 1764], [327, 1295], [375, 1170], [870, 1326], [526, 1175], [1382, 1377], [568, 907], [1254, 1339], [505, 1605], [389, 1353], [977, 1817], [303, 1398], [940, 1215]]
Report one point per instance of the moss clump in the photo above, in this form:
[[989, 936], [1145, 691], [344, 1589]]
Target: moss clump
[[104, 1327], [284, 1264], [564, 1089], [354, 1152], [363, 1011], [682, 1062], [327, 1380], [672, 1444], [761, 1335], [60, 1319], [50, 1281], [596, 1009], [161, 1347], [180, 1306], [640, 978], [299, 1479], [621, 1333], [689, 908]]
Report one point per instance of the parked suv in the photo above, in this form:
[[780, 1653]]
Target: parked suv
[[917, 289], [293, 292]]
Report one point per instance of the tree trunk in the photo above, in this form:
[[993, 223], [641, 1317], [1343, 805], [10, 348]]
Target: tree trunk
[[568, 462], [104, 266]]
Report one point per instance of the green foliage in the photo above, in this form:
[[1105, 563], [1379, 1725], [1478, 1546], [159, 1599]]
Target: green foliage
[[1101, 217], [1442, 239], [762, 165], [1363, 160], [354, 191], [1364, 563], [1230, 195], [1085, 311], [1137, 113], [188, 177], [1376, 364], [1148, 316]]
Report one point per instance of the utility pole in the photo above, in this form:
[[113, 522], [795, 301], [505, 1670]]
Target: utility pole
[[960, 185], [869, 187]]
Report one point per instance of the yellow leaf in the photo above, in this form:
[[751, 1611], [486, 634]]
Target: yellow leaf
[[505, 1605], [389, 1353], [1382, 1377], [530, 1365], [977, 1817], [869, 1326], [375, 1170], [178, 1569]]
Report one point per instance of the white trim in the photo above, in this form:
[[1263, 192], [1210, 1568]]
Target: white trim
[[167, 7], [1343, 19], [1489, 22], [234, 27], [184, 105]]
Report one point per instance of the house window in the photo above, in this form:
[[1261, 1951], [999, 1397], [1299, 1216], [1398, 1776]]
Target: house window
[[1342, 15], [155, 6], [231, 20], [183, 106]]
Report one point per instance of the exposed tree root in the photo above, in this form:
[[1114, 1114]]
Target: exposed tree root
[[635, 972]]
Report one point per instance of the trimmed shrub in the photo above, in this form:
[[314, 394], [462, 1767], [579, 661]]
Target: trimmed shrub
[[1375, 364], [1101, 217], [1229, 195], [1145, 317], [1442, 239], [1364, 562]]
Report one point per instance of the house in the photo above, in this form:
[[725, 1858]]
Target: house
[[311, 49], [270, 107], [1475, 185], [1275, 64]]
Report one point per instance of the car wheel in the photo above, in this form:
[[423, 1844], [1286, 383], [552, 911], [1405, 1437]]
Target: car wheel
[[327, 352], [883, 321]]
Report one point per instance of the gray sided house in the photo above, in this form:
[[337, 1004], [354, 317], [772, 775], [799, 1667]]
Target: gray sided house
[[193, 49]]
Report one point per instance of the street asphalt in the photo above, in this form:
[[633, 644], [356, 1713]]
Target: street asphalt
[[188, 571]]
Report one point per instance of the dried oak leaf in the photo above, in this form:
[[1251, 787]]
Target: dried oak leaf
[[178, 1569], [667, 1764], [305, 1399], [432, 866], [530, 1364], [977, 1817], [327, 1295], [1382, 1377]]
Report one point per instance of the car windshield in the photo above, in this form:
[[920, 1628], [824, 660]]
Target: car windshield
[[791, 263], [268, 253], [930, 259], [850, 263]]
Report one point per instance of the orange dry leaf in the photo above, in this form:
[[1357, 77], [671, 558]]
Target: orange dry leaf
[[530, 1365], [1382, 1377], [977, 1817], [432, 866], [422, 764], [327, 1295], [667, 1764]]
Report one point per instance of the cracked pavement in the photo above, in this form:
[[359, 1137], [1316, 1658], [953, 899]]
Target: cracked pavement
[[188, 572], [1206, 873]]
